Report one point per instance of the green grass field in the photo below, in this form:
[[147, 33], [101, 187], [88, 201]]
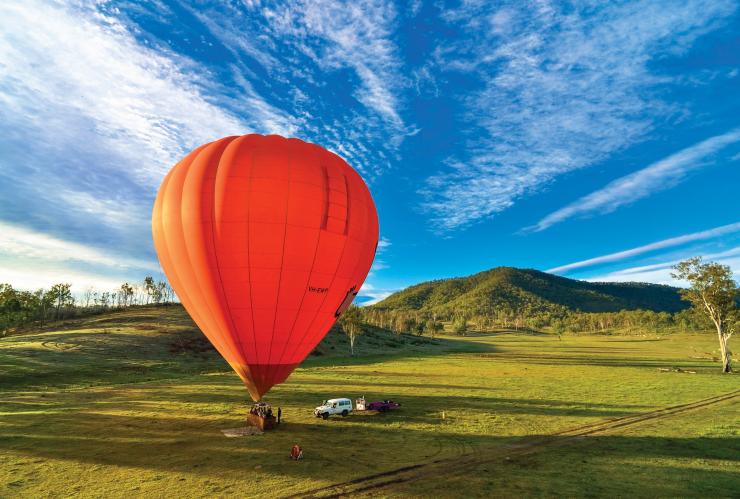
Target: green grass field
[[132, 404]]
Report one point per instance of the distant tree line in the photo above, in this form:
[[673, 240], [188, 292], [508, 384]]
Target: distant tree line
[[431, 323], [21, 308]]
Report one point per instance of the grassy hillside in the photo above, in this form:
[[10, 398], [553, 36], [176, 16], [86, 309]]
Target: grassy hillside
[[132, 404], [535, 291], [143, 344]]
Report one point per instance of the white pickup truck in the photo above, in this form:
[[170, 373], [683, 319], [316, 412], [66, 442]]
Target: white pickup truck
[[333, 406]]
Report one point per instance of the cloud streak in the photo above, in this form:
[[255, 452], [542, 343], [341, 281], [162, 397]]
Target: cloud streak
[[666, 243], [31, 259], [372, 295], [660, 273], [24, 243], [659, 176]]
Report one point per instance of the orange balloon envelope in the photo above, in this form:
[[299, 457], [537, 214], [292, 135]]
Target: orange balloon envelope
[[266, 241]]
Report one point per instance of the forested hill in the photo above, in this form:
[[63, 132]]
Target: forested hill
[[506, 288]]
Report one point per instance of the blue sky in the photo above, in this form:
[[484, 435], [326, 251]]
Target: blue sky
[[597, 140]]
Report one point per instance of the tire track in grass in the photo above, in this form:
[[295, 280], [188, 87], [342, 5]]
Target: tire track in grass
[[459, 464]]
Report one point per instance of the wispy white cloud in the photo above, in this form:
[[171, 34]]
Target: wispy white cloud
[[666, 243], [80, 79], [414, 7], [117, 212], [21, 242], [378, 265], [660, 273], [563, 89], [31, 259], [372, 295], [306, 48], [378, 262], [656, 177], [359, 37]]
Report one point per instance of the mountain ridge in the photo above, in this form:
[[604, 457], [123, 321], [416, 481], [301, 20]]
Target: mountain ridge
[[510, 288]]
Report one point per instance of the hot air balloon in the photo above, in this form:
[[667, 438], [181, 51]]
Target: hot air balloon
[[266, 241]]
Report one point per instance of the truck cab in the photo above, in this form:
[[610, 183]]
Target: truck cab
[[342, 406]]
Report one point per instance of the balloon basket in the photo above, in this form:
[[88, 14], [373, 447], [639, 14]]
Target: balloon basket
[[264, 424], [260, 416]]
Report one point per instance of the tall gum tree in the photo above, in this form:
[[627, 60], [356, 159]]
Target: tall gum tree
[[351, 322], [715, 292]]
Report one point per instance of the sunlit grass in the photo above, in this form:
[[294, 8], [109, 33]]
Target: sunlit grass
[[111, 406]]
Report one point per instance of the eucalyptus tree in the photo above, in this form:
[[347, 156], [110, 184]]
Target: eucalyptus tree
[[713, 291], [61, 296], [127, 293], [150, 288], [432, 327], [351, 322]]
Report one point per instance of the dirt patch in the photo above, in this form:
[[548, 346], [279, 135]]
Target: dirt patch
[[147, 327], [245, 431]]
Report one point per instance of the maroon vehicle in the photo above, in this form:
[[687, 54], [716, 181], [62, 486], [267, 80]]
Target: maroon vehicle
[[382, 406]]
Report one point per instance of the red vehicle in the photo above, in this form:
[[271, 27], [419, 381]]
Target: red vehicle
[[380, 406]]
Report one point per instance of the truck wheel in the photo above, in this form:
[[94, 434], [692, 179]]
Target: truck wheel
[[344, 413], [325, 415]]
